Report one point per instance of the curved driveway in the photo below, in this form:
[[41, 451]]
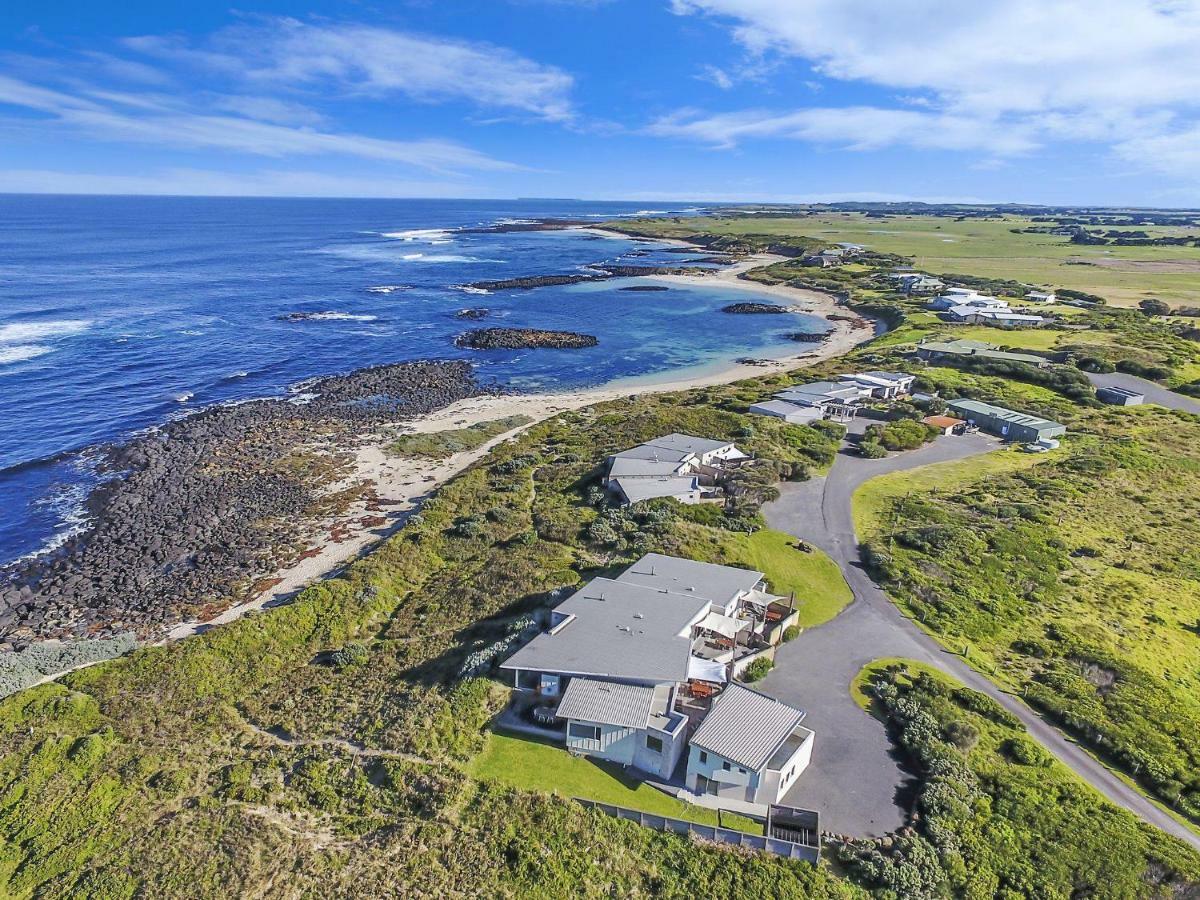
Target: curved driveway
[[854, 780]]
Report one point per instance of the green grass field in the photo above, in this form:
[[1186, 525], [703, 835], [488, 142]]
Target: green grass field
[[820, 588], [532, 765], [989, 248]]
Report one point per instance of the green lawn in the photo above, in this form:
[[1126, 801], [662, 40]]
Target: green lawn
[[532, 765], [821, 590], [989, 248], [874, 498]]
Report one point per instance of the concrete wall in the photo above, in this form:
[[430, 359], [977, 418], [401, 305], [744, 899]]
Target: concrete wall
[[615, 743], [745, 786], [777, 782], [627, 746]]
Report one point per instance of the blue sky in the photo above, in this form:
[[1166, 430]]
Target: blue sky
[[1051, 101]]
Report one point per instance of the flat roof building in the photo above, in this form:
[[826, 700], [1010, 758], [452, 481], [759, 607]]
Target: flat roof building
[[1006, 423], [1120, 396]]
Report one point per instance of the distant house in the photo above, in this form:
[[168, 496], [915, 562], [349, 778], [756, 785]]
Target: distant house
[[918, 284], [750, 748], [1004, 318], [1040, 297], [938, 350], [881, 385], [955, 298], [679, 466], [789, 412], [834, 399], [1006, 423]]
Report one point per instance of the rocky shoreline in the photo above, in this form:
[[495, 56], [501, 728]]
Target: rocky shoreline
[[194, 514], [596, 273], [524, 338]]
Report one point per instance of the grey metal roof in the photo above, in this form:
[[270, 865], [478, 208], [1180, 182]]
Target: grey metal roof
[[619, 630], [686, 443], [654, 453], [1002, 414], [606, 702], [709, 581], [746, 727], [782, 408], [654, 487], [818, 391], [640, 468]]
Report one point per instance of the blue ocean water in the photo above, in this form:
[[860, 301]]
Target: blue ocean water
[[117, 313]]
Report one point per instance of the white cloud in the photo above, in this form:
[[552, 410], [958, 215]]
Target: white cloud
[[857, 127], [368, 60], [152, 120], [1113, 71], [268, 109], [202, 182]]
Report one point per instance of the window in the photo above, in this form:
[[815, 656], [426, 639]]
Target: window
[[740, 769], [585, 732], [653, 743], [725, 765], [703, 756]]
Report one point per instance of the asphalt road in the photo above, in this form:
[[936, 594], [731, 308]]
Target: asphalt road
[[1155, 393], [854, 780]]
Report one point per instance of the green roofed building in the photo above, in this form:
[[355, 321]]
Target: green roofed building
[[1006, 423], [934, 350]]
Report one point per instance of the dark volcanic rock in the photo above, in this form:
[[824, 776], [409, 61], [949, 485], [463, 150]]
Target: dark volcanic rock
[[599, 273], [475, 312], [645, 287], [807, 337], [521, 338], [529, 282], [198, 510], [754, 308]]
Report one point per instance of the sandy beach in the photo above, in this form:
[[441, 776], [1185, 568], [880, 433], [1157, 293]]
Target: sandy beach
[[402, 484]]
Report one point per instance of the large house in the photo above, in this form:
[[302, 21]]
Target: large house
[[679, 466], [834, 399], [916, 283], [956, 297], [621, 655], [1005, 318], [939, 350]]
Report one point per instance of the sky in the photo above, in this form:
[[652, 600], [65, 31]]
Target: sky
[[1025, 101]]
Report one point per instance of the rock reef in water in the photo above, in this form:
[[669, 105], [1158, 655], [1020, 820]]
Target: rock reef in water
[[645, 287], [524, 338], [755, 309], [474, 312], [808, 337]]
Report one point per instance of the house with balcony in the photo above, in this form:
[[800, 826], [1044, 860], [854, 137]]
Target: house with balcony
[[680, 466], [628, 667]]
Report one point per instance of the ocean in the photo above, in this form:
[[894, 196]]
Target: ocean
[[119, 313]]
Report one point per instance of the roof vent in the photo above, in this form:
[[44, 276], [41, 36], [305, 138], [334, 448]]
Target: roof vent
[[638, 616]]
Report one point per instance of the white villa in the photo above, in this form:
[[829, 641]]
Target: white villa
[[680, 466], [630, 663], [834, 399]]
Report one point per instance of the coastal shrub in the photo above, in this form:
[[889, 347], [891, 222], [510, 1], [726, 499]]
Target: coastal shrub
[[835, 431], [1025, 752], [791, 633], [982, 819], [757, 670], [1141, 370], [871, 448], [443, 444], [22, 669], [349, 656]]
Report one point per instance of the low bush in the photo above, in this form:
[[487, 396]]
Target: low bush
[[757, 670]]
